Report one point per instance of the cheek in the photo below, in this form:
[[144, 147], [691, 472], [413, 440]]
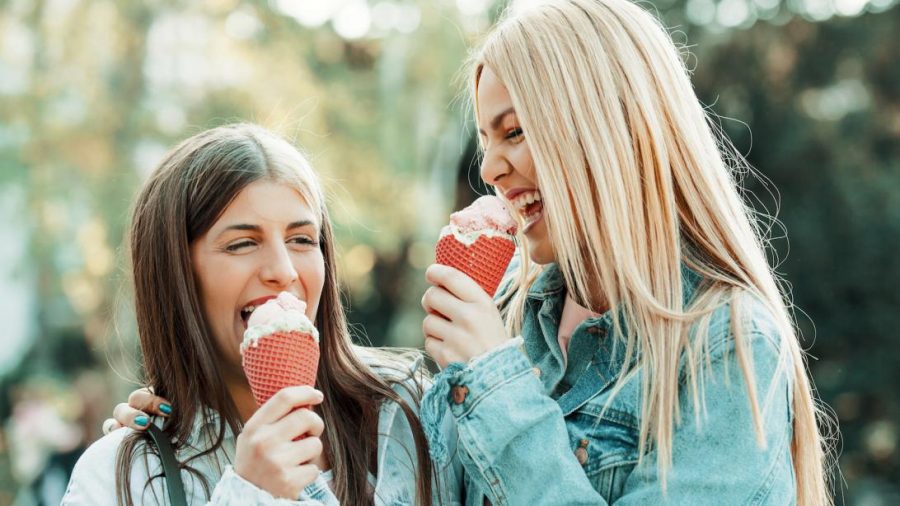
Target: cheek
[[523, 161], [312, 276]]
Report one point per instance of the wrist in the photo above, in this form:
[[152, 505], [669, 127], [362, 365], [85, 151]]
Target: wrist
[[499, 347]]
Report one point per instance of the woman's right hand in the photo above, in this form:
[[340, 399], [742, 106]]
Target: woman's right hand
[[268, 453]]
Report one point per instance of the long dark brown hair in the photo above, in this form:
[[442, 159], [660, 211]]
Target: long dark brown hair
[[182, 199]]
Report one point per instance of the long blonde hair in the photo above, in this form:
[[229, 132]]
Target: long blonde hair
[[636, 182]]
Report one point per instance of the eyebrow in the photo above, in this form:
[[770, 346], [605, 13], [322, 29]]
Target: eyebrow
[[497, 119], [257, 228]]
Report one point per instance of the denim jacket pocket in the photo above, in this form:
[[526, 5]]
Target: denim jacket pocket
[[606, 447]]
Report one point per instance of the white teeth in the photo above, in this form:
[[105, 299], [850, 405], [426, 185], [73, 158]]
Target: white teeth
[[248, 309], [525, 199]]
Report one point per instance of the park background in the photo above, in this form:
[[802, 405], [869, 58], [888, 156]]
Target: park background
[[93, 92]]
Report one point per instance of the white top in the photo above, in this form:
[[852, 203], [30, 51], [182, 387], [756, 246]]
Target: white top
[[93, 481]]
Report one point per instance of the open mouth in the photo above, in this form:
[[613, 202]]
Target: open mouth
[[530, 207], [245, 314], [248, 310]]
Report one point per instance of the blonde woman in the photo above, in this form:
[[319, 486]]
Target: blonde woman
[[660, 361]]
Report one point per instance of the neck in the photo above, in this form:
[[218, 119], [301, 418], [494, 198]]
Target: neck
[[597, 303], [242, 396]]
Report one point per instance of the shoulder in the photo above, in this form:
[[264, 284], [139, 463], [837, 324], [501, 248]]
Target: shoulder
[[744, 330], [93, 479], [403, 369]]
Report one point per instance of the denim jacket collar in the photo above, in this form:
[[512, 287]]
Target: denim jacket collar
[[596, 351]]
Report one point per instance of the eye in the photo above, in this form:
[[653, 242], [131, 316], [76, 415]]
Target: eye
[[239, 246], [514, 134], [303, 240]]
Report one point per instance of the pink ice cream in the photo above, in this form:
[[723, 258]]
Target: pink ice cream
[[284, 313], [486, 213], [273, 309]]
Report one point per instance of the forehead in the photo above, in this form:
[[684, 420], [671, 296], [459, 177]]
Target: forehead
[[268, 201], [493, 97]]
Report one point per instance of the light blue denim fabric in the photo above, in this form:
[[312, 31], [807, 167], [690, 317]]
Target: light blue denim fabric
[[395, 484], [524, 417]]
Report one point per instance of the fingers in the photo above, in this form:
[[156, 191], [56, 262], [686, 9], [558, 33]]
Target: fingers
[[438, 300], [435, 349], [439, 328], [127, 416], [299, 422], [299, 452], [109, 425], [282, 403], [302, 477], [454, 281], [144, 400]]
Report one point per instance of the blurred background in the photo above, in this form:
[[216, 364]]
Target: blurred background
[[92, 94]]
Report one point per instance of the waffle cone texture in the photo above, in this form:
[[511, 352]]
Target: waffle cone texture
[[485, 260], [279, 360]]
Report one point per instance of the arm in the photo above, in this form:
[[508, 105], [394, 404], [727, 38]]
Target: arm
[[93, 482], [270, 462], [513, 439]]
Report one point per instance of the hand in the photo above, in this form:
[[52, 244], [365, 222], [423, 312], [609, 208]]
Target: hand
[[463, 321], [267, 454], [142, 403]]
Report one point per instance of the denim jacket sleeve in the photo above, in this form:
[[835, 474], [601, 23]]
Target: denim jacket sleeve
[[513, 443], [397, 467]]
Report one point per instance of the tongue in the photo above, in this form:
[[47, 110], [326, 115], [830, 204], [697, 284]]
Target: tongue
[[533, 207]]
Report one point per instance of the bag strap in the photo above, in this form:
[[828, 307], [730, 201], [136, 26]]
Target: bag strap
[[171, 471]]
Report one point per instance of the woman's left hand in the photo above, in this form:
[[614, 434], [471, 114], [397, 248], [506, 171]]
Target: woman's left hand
[[462, 321]]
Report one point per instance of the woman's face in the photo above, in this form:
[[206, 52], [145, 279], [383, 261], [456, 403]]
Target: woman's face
[[508, 165], [266, 242]]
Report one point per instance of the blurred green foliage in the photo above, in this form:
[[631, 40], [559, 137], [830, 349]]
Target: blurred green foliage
[[92, 93]]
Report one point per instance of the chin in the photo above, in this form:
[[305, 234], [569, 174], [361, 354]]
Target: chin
[[541, 253]]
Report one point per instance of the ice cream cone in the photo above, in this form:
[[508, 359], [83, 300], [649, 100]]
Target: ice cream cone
[[280, 360], [485, 260], [280, 347], [479, 242]]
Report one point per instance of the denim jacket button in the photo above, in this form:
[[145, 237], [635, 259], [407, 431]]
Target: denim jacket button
[[600, 332], [581, 452], [536, 371], [582, 455], [459, 394]]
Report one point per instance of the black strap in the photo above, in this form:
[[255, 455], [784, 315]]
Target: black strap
[[171, 471]]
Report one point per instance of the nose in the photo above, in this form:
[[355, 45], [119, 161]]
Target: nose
[[494, 167], [279, 270]]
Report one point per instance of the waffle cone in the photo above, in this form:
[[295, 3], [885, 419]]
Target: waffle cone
[[485, 260], [280, 360]]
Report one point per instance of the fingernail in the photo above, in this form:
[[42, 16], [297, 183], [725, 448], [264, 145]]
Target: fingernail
[[165, 408], [141, 420]]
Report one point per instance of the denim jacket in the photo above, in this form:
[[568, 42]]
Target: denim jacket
[[533, 431], [93, 479]]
